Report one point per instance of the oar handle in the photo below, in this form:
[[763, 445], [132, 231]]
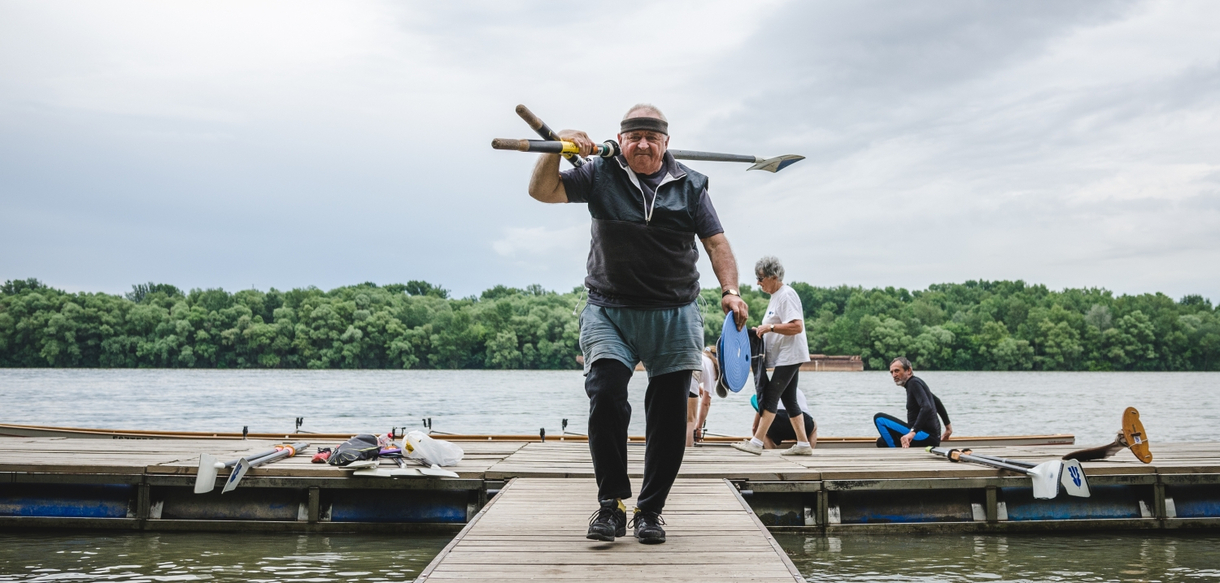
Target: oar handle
[[285, 451], [250, 458], [963, 455], [544, 131], [1021, 463], [607, 149]]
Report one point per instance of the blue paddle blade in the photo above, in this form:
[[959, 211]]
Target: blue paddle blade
[[734, 353]]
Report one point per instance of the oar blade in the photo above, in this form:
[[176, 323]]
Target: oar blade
[[777, 163], [437, 472], [372, 473], [1046, 479], [1073, 479], [205, 478], [239, 472]]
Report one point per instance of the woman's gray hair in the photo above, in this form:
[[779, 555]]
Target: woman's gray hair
[[768, 266]]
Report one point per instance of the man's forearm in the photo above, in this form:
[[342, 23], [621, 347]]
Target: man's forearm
[[724, 264], [545, 184]]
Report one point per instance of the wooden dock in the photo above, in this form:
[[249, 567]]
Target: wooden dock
[[534, 529], [58, 482]]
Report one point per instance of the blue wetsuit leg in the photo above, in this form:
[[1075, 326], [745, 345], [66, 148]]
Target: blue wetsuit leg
[[892, 429]]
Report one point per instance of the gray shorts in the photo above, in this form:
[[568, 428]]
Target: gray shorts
[[667, 340]]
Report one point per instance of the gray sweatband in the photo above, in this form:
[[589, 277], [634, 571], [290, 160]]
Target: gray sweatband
[[648, 124]]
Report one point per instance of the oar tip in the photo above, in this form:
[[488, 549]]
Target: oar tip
[[777, 163]]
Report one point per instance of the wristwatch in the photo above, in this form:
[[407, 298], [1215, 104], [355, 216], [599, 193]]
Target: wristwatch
[[729, 292]]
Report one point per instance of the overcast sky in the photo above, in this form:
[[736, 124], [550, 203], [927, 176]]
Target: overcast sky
[[286, 144]]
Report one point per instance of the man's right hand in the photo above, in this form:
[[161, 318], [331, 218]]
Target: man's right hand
[[581, 139], [545, 182], [741, 312]]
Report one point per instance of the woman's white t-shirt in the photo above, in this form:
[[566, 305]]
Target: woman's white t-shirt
[[785, 306]]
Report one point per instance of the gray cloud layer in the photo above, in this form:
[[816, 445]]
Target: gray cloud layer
[[277, 144]]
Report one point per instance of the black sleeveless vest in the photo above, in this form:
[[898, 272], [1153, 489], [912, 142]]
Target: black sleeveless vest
[[638, 260]]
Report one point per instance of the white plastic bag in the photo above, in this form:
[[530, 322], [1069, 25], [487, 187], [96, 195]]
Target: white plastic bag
[[421, 447]]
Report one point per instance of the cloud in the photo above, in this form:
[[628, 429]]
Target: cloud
[[538, 241], [231, 143]]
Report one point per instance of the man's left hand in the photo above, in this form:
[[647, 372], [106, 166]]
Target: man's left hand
[[907, 439], [741, 312], [948, 432]]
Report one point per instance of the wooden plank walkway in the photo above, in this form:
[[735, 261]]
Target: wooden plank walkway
[[554, 459], [535, 529]]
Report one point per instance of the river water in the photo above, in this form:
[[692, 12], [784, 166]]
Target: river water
[[1174, 407]]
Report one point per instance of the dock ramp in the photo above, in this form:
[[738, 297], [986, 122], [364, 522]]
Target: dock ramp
[[534, 529]]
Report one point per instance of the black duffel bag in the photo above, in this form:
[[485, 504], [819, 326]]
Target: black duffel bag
[[361, 447]]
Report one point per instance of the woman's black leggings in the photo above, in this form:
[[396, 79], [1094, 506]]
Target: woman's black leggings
[[781, 387]]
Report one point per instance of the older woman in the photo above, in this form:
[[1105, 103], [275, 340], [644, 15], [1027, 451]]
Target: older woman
[[783, 333]]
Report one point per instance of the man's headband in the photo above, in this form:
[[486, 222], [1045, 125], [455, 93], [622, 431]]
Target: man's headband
[[649, 124]]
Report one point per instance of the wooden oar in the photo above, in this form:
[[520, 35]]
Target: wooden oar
[[1132, 436], [610, 149], [544, 131]]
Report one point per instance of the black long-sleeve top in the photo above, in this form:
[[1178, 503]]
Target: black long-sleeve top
[[923, 407]]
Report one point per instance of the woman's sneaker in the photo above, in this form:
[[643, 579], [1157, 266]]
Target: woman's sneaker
[[648, 526], [609, 521], [798, 449], [749, 447]]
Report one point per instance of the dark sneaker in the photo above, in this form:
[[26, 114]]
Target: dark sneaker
[[648, 527], [608, 522]]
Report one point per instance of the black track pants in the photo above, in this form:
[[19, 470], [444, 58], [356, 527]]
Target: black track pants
[[609, 414]]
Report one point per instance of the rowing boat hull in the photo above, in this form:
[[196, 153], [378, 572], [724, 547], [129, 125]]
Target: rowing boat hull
[[13, 430]]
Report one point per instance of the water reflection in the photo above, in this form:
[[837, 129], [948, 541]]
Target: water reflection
[[1024, 557], [840, 558], [215, 557]]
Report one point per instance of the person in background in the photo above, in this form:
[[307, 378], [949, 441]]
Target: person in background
[[786, 347], [781, 432], [699, 400], [921, 427]]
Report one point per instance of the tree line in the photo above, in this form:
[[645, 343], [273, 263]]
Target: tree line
[[976, 325]]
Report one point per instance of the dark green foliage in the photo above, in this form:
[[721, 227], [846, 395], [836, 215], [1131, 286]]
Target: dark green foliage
[[141, 291], [361, 326], [977, 325], [17, 286]]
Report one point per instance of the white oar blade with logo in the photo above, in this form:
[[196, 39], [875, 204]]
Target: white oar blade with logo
[[1073, 479], [239, 472]]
